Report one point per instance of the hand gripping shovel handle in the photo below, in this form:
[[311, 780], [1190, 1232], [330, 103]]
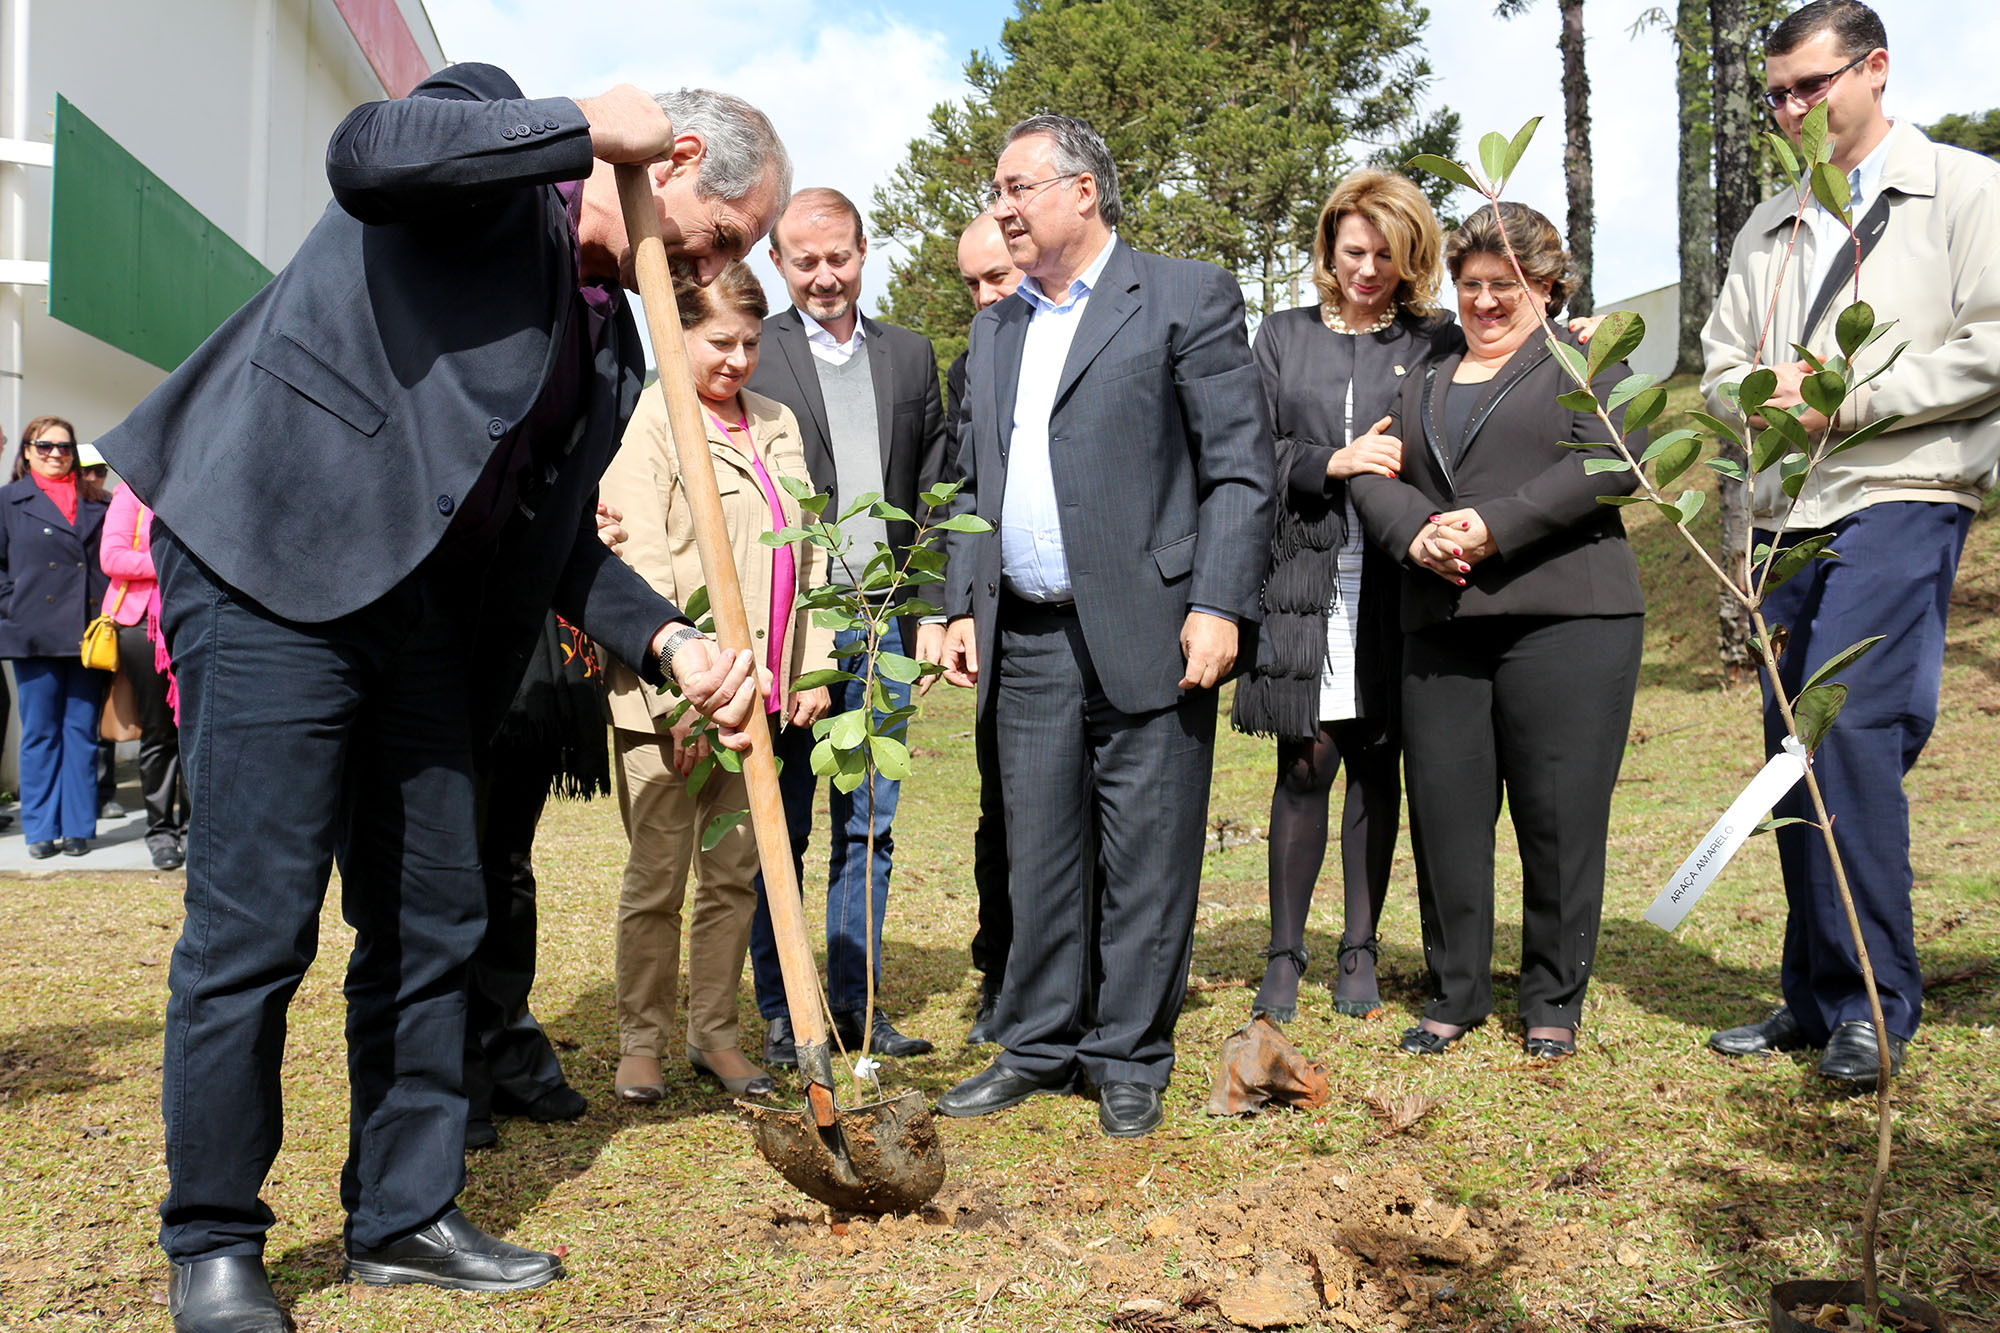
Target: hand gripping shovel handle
[[725, 599]]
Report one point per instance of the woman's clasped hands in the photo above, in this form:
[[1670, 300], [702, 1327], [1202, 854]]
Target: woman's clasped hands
[[1451, 543]]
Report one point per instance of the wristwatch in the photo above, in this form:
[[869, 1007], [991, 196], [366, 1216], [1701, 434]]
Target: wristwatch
[[675, 642]]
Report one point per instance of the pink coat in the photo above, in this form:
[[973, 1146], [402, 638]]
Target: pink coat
[[126, 552]]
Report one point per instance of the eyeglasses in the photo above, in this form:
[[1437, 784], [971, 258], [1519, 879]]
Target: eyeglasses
[[47, 447], [1506, 289], [1021, 190], [1807, 92]]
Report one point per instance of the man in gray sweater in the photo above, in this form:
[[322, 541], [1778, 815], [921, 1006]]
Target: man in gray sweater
[[867, 402]]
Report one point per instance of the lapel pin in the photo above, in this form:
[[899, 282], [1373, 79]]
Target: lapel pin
[[1399, 370]]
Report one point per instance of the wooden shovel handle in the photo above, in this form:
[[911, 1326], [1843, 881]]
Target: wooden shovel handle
[[725, 597]]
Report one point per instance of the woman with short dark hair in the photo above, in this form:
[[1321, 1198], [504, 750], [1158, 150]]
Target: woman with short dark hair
[[50, 588], [1523, 622]]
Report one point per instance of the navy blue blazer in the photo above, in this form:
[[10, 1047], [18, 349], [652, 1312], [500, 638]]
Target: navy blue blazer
[[51, 585], [313, 451]]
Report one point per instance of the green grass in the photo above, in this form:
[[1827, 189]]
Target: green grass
[[1716, 1179]]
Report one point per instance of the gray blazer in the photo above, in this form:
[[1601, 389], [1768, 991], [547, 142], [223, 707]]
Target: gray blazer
[[1161, 450]]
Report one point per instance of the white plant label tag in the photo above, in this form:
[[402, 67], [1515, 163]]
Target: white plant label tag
[[1779, 776]]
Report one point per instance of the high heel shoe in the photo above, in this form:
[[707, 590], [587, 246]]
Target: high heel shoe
[[758, 1084], [1358, 1006], [635, 1090]]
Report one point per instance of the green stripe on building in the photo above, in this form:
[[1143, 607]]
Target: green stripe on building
[[131, 261]]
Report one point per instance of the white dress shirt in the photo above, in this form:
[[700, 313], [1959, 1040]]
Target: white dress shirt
[[827, 347], [1032, 560], [1830, 238]]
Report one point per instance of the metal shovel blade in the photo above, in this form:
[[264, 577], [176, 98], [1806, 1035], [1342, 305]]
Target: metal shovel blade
[[880, 1158]]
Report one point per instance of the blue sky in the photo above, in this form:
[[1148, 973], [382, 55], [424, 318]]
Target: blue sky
[[849, 84]]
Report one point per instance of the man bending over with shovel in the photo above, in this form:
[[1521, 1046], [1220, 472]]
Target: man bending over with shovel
[[437, 379]]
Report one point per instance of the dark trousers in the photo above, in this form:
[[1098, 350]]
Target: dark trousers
[[1893, 578], [1107, 814], [857, 891], [505, 1047], [61, 702], [995, 935], [304, 744], [159, 740], [1537, 708]]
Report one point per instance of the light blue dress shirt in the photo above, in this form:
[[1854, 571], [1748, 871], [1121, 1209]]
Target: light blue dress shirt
[[1032, 560]]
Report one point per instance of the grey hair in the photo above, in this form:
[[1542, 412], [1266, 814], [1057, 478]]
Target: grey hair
[[743, 149], [1079, 149]]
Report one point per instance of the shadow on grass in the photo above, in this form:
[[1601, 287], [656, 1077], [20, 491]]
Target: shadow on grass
[[62, 1057]]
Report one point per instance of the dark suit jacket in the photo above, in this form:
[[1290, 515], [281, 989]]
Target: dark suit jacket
[[313, 451], [908, 410], [1560, 552], [1161, 451], [51, 585]]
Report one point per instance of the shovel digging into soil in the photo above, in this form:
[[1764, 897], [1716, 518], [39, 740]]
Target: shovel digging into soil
[[879, 1158]]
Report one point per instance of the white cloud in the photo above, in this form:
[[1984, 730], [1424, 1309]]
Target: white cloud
[[846, 87]]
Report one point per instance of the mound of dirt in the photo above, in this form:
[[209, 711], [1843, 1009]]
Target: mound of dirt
[[1309, 1246]]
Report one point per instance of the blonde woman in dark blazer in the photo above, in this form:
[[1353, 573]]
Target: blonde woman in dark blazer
[[1523, 619], [755, 442]]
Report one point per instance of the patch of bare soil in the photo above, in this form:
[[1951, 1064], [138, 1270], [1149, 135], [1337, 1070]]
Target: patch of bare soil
[[1316, 1246]]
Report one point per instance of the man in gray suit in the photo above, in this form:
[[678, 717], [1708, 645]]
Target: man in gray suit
[[1117, 442], [866, 397]]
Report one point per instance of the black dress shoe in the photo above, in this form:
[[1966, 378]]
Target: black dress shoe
[[1777, 1031], [479, 1134], [451, 1252], [1549, 1048], [1129, 1110], [884, 1039], [984, 1019], [780, 1052], [229, 1295], [995, 1088], [561, 1102], [75, 846], [1851, 1055], [42, 851], [1422, 1041]]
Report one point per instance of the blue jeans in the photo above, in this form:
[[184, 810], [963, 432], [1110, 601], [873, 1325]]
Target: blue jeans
[[853, 914], [60, 699], [1894, 576]]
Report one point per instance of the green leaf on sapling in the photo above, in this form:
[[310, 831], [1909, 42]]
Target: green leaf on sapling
[[1809, 356], [1788, 161], [1615, 339], [892, 757], [719, 827], [1445, 167], [1666, 442], [1824, 392], [849, 729], [1770, 824], [812, 680], [1792, 471], [1756, 389], [1578, 400], [1493, 156], [897, 667], [1622, 500], [889, 513], [1626, 389], [1866, 433], [1573, 360], [1688, 504], [1842, 660], [696, 605], [1854, 325], [963, 523], [859, 504], [796, 487], [1593, 466], [1814, 712], [1644, 409], [1813, 147], [729, 760], [1829, 186], [1519, 144], [1728, 467], [1676, 458], [942, 494], [1794, 557], [699, 776]]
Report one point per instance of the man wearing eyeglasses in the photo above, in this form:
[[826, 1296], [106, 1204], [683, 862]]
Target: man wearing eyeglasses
[[1927, 228], [1117, 442]]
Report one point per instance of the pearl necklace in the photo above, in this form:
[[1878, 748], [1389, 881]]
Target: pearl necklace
[[1330, 316]]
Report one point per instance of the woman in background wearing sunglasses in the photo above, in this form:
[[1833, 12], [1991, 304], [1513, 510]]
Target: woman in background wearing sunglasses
[[50, 587]]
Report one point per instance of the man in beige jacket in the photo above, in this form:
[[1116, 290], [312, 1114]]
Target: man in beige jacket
[[1927, 225]]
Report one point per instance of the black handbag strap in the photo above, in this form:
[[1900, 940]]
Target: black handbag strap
[[1867, 234]]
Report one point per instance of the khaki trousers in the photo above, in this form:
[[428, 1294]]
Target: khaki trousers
[[664, 825]]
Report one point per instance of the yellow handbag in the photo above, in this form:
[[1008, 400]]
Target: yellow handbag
[[100, 636]]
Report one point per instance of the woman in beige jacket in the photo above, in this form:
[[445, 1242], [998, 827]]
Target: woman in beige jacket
[[754, 442]]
